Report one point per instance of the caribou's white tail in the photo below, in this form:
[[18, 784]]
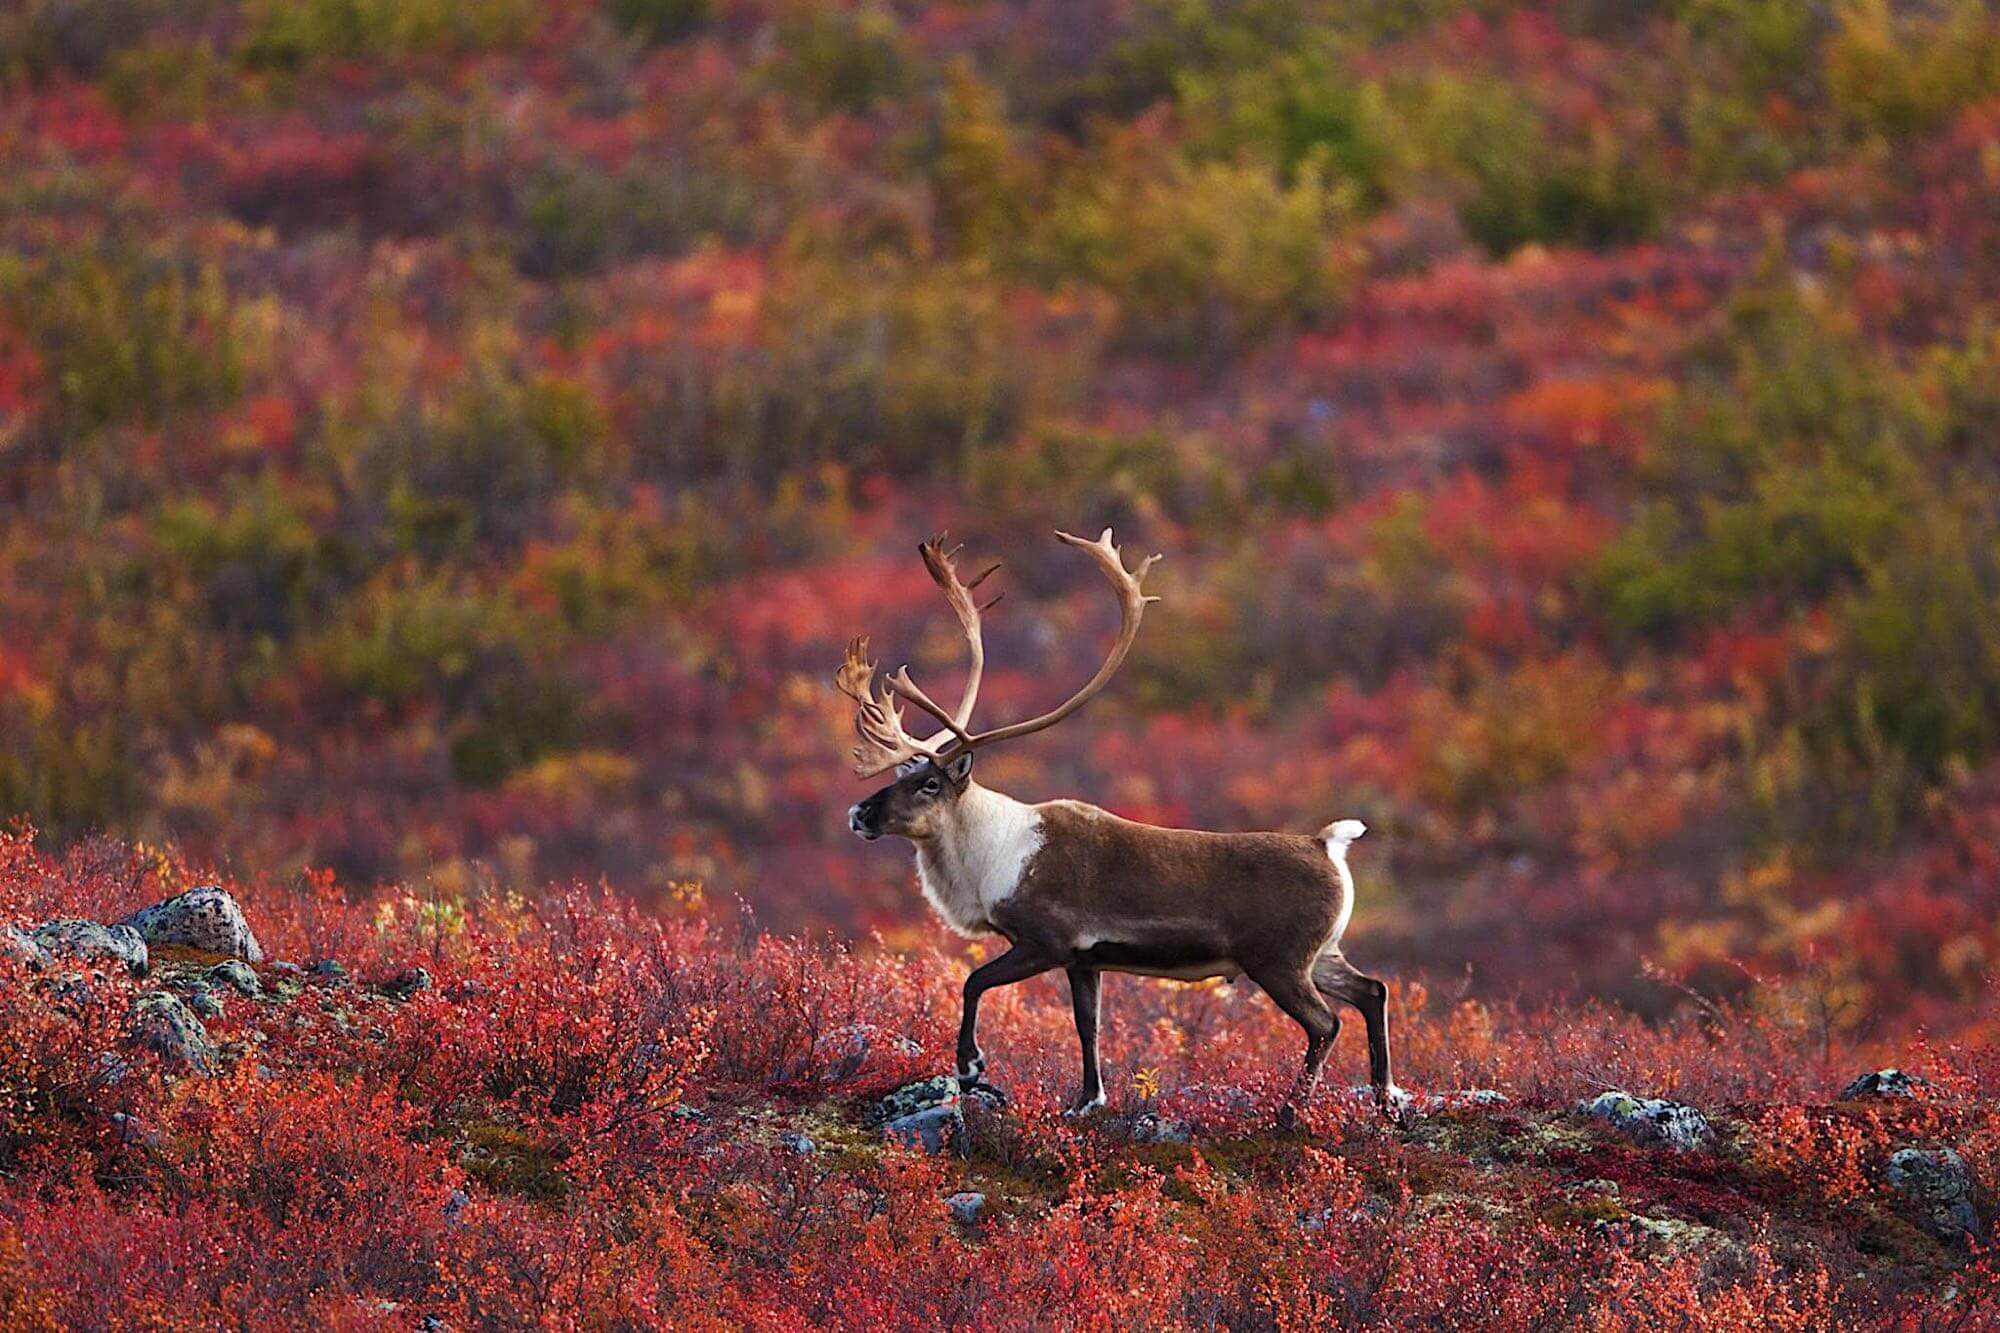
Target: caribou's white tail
[[1338, 835]]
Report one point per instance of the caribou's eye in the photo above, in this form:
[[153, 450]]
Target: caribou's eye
[[932, 786]]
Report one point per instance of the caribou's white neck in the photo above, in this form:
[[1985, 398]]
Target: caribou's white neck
[[978, 858]]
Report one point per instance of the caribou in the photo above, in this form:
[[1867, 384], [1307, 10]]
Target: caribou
[[1069, 885]]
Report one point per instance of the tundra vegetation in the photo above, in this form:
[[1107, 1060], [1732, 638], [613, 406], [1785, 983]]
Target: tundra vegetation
[[443, 445]]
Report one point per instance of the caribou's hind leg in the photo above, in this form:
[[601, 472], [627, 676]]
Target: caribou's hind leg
[[1292, 989], [1339, 979]]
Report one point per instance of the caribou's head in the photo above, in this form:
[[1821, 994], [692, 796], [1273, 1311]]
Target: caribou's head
[[916, 803], [934, 772]]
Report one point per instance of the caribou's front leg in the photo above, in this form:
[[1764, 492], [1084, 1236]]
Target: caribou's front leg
[[1017, 964], [1083, 998]]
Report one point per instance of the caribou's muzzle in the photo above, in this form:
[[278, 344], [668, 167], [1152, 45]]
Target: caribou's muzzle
[[865, 818]]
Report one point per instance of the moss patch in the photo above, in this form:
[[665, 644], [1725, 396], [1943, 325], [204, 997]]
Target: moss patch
[[509, 1160]]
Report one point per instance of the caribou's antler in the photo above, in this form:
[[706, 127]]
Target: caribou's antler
[[944, 571], [886, 743], [877, 720], [1132, 603]]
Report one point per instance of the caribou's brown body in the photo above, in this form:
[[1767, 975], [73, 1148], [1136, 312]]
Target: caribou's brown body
[[1071, 886]]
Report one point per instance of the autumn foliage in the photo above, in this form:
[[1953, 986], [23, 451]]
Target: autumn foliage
[[590, 1118], [444, 445]]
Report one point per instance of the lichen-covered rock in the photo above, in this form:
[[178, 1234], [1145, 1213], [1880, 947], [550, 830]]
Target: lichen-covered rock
[[912, 1098], [407, 983], [934, 1129], [87, 941], [1650, 1119], [1400, 1102], [161, 1023], [797, 1143], [204, 918], [21, 946], [237, 976], [1940, 1184], [203, 1002], [1883, 1083], [1673, 1234], [966, 1206], [1150, 1127], [1405, 1103]]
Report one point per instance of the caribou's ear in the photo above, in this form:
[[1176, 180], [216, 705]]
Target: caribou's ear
[[960, 766]]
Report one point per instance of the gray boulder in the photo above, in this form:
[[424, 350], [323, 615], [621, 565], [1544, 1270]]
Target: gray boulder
[[966, 1206], [88, 942], [131, 1130], [797, 1143], [161, 1023], [1652, 1120], [933, 1129], [203, 1001], [407, 983], [912, 1098], [237, 976], [1940, 1184], [1883, 1083], [1150, 1127], [204, 918], [21, 946]]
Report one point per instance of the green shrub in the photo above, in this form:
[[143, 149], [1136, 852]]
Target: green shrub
[[842, 59], [1786, 468], [164, 81], [575, 218], [1900, 73], [1116, 477], [43, 38], [1165, 44], [662, 20], [873, 362], [1301, 113], [255, 556], [978, 179], [484, 661], [1522, 182], [1769, 45], [127, 338], [1919, 664], [290, 34], [474, 465], [1202, 257]]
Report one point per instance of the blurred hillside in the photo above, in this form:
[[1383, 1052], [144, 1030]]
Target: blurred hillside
[[448, 441]]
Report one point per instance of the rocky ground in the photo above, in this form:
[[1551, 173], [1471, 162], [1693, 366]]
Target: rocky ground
[[1871, 1188]]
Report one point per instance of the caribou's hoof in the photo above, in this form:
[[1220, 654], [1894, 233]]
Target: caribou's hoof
[[1288, 1117], [992, 1098], [1082, 1106]]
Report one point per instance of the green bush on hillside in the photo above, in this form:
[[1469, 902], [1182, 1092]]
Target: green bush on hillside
[[290, 34], [127, 337]]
